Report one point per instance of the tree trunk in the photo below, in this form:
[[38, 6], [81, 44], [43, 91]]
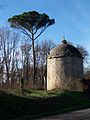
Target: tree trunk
[[7, 75], [27, 70], [34, 60]]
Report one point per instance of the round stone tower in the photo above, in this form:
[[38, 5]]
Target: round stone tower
[[64, 68]]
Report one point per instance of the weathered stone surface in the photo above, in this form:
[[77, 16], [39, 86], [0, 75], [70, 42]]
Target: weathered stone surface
[[65, 72], [64, 50]]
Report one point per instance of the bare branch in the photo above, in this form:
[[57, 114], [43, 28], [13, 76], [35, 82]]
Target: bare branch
[[43, 29], [25, 32]]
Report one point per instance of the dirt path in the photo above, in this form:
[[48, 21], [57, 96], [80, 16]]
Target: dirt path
[[77, 115]]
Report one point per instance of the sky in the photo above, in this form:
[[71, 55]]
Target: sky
[[72, 18]]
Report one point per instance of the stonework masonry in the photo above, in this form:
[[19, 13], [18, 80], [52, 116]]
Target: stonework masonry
[[64, 73]]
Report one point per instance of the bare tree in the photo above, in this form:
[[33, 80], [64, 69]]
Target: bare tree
[[42, 49], [26, 48], [8, 41], [84, 52]]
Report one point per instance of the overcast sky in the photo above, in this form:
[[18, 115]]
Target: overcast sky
[[72, 18]]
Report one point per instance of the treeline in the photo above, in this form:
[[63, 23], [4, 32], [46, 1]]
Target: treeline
[[16, 59]]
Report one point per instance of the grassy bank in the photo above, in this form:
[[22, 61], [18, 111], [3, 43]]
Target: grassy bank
[[14, 106]]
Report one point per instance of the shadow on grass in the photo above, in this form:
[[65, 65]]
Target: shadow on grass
[[13, 107]]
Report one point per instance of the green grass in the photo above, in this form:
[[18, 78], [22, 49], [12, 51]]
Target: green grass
[[38, 93], [15, 106]]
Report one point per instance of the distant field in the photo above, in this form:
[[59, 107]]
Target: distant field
[[28, 104]]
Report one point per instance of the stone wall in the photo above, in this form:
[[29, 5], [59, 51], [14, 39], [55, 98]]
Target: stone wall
[[64, 73]]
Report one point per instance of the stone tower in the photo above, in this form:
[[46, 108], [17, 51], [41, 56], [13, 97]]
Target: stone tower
[[64, 68]]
